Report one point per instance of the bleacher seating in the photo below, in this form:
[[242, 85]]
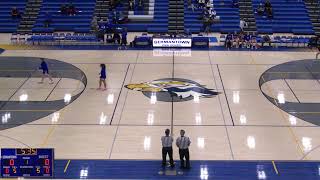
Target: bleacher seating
[[288, 17], [78, 23], [229, 18], [7, 24], [160, 19], [159, 22], [142, 14], [141, 11]]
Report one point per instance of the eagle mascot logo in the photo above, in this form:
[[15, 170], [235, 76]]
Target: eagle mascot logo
[[173, 89]]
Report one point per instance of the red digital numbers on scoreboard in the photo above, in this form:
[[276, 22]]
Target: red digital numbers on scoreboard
[[47, 170], [11, 162], [47, 162]]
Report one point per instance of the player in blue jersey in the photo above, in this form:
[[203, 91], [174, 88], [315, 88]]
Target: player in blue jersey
[[45, 71], [247, 39], [124, 40], [103, 76]]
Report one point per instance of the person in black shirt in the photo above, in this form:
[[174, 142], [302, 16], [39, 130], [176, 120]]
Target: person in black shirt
[[72, 9], [229, 40], [64, 9], [268, 8], [15, 13]]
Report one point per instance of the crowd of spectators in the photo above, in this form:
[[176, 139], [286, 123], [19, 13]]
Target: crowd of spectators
[[241, 40], [133, 5]]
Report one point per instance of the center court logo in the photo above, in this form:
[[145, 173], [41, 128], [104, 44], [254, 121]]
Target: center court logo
[[173, 89]]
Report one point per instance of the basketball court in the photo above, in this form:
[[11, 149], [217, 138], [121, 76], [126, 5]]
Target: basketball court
[[251, 106]]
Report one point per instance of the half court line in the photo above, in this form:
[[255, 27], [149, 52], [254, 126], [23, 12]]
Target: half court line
[[115, 107], [222, 113], [225, 94], [124, 104]]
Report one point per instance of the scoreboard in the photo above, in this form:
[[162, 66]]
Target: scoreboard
[[27, 162]]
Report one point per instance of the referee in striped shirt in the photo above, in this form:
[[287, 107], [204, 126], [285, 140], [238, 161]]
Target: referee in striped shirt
[[167, 141], [183, 142]]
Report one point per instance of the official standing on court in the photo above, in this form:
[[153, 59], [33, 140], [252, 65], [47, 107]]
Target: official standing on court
[[167, 141], [183, 142]]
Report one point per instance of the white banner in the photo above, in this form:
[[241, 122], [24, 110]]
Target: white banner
[[171, 42]]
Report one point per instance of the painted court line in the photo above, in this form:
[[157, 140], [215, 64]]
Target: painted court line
[[115, 107], [221, 109], [225, 94], [66, 167], [53, 127], [28, 110], [124, 105], [291, 90], [294, 136], [275, 167]]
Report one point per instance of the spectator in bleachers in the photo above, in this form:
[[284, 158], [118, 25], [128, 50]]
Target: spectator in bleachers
[[212, 13], [72, 11], [228, 42], [254, 42], [15, 13], [94, 24], [64, 9], [268, 8], [236, 40], [208, 4], [47, 19], [235, 3], [112, 4], [247, 41], [260, 9], [187, 32], [140, 4], [114, 15], [131, 5], [206, 24], [116, 37], [266, 39], [122, 18], [201, 3], [267, 4], [243, 24], [124, 40], [241, 39], [191, 5]]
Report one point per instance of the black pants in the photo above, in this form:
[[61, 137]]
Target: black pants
[[165, 151], [184, 154]]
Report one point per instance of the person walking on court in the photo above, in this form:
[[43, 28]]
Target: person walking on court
[[167, 141], [124, 40], [183, 142], [45, 71], [103, 76]]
